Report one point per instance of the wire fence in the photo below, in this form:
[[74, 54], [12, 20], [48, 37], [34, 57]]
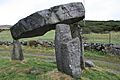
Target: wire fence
[[109, 38]]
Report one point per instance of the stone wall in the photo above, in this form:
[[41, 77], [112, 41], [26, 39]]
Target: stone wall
[[106, 48], [31, 43]]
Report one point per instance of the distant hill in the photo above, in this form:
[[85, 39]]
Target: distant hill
[[5, 26], [100, 26]]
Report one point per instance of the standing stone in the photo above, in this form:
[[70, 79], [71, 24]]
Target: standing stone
[[71, 57], [17, 53], [62, 34], [76, 32], [67, 51]]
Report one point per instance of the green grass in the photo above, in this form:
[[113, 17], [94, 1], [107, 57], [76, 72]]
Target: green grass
[[98, 74], [48, 36], [103, 38], [40, 66], [46, 50], [107, 66], [6, 36], [108, 62], [15, 70], [102, 56], [32, 68], [92, 37], [40, 61]]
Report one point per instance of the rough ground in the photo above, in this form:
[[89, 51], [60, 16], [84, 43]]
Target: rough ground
[[51, 57], [110, 64]]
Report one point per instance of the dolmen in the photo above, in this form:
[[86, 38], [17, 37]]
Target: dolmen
[[67, 40]]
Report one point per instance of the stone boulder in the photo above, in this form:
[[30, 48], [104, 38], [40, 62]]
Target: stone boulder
[[71, 58], [89, 63], [67, 51], [62, 34], [38, 23], [17, 53]]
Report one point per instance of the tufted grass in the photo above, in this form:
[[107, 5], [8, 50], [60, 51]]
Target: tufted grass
[[42, 66], [98, 74], [15, 70]]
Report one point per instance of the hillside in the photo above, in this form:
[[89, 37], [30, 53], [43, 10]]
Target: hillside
[[100, 26], [5, 26]]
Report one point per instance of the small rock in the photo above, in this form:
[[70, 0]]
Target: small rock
[[89, 63], [35, 71]]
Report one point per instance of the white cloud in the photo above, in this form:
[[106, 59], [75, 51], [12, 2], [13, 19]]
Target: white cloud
[[102, 9], [13, 10]]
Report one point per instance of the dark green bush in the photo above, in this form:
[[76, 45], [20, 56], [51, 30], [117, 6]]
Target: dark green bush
[[100, 26]]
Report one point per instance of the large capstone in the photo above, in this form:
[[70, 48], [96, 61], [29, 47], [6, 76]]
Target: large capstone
[[40, 22], [67, 51]]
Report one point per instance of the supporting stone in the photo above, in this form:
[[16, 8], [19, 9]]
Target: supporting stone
[[17, 53], [67, 51], [81, 48], [71, 58], [62, 34], [76, 32]]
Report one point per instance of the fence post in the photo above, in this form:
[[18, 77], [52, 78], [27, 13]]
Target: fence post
[[110, 37]]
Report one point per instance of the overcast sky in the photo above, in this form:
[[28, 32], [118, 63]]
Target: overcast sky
[[13, 10]]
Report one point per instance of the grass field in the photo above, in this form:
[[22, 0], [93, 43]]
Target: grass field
[[92, 37], [6, 36], [40, 64], [103, 38]]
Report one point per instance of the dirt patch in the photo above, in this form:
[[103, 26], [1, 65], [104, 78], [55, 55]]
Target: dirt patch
[[56, 75]]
